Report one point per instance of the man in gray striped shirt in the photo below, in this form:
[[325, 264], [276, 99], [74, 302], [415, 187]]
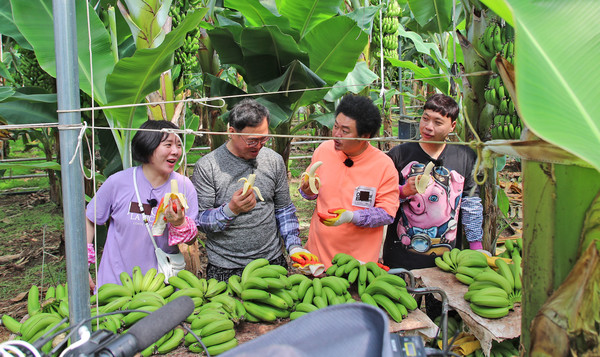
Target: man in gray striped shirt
[[240, 227]]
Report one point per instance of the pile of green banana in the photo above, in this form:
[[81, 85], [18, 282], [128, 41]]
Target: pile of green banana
[[464, 264], [44, 315], [506, 124], [317, 293], [493, 294], [265, 291], [388, 292], [389, 28]]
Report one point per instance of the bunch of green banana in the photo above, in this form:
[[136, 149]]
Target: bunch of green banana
[[189, 284], [507, 127], [217, 334], [388, 36], [454, 325], [319, 293], [506, 123], [214, 323], [43, 315], [505, 348], [389, 292], [186, 55], [495, 91], [465, 264], [32, 74], [390, 24], [265, 291], [393, 9], [492, 294], [513, 249], [493, 40], [168, 342], [344, 266]]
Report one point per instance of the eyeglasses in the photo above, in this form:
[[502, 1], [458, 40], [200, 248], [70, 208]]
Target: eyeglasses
[[255, 142]]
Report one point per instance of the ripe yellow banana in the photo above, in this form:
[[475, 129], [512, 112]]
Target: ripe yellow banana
[[422, 181], [175, 194], [249, 185], [310, 176]]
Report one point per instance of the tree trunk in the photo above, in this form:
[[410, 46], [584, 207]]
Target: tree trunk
[[216, 125], [283, 145], [388, 132], [490, 209]]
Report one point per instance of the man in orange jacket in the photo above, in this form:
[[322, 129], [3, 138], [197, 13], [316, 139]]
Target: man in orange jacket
[[357, 187]]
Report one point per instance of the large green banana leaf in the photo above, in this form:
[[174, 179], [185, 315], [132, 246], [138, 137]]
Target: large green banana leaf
[[432, 15], [267, 51], [28, 94], [8, 27], [296, 77], [47, 165], [306, 14], [258, 15], [360, 77], [424, 74], [334, 46], [430, 49], [6, 92], [35, 21], [27, 105], [557, 72], [25, 112], [500, 8], [135, 77], [364, 16]]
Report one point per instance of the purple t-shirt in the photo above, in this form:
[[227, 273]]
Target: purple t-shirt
[[128, 243]]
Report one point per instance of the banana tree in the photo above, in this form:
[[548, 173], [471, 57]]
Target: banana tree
[[557, 101], [127, 81], [294, 46]]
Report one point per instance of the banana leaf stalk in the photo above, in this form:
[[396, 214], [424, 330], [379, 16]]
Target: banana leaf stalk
[[568, 323]]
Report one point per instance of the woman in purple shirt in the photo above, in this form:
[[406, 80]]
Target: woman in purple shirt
[[128, 242]]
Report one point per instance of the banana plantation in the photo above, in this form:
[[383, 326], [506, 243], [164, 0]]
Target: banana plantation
[[523, 72]]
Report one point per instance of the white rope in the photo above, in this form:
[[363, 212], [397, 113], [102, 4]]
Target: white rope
[[204, 101]]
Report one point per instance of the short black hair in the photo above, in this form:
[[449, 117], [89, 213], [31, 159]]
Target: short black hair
[[145, 142], [443, 104], [248, 112], [363, 111]]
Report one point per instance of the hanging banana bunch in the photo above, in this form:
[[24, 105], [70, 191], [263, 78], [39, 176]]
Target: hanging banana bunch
[[498, 39], [32, 74], [506, 124], [186, 55], [389, 30]]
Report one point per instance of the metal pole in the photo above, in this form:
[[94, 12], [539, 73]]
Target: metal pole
[[67, 86]]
